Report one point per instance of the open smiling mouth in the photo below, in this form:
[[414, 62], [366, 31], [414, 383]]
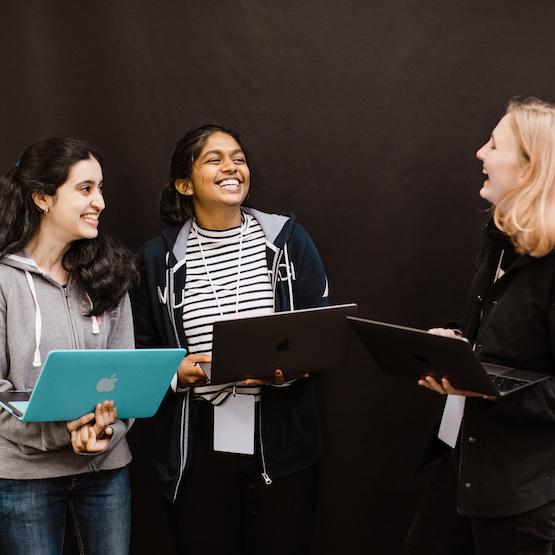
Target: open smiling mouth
[[90, 218], [229, 184]]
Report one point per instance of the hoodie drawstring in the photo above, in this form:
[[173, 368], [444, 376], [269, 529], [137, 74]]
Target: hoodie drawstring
[[38, 321], [95, 328]]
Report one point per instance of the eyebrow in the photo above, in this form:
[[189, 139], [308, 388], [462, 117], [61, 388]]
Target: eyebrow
[[236, 151], [88, 182]]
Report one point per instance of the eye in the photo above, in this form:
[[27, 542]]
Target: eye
[[240, 160], [213, 161], [101, 188], [85, 188]]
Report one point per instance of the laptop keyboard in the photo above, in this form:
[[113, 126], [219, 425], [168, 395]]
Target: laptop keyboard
[[506, 384]]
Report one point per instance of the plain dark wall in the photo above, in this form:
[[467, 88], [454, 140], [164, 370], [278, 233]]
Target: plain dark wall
[[362, 117]]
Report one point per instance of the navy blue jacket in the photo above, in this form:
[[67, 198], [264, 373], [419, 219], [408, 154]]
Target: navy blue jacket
[[289, 425]]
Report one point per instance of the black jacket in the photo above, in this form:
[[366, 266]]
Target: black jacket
[[507, 447], [289, 425]]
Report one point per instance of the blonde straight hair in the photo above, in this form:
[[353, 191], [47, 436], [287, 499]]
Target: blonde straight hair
[[526, 213]]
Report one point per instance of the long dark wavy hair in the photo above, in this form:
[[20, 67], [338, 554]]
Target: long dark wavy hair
[[175, 208], [103, 268]]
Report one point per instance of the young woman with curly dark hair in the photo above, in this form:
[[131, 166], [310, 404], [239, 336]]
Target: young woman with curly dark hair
[[62, 286]]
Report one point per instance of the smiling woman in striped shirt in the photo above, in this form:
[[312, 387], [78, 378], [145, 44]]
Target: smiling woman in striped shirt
[[220, 258]]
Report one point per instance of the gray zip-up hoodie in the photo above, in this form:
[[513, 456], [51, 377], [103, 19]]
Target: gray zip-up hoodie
[[38, 315]]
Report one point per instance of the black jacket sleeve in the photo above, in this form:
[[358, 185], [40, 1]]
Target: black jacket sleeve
[[311, 287], [147, 333]]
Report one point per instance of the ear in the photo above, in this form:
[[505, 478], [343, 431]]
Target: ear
[[184, 186], [525, 171], [42, 201]]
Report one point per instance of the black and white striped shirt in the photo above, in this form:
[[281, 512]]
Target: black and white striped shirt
[[226, 274]]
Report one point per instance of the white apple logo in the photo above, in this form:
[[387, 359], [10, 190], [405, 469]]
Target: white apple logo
[[107, 384]]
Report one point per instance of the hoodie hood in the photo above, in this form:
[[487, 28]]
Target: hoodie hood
[[276, 228], [22, 261]]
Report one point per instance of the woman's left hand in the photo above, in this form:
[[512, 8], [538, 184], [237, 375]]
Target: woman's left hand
[[92, 432], [279, 379], [445, 388]]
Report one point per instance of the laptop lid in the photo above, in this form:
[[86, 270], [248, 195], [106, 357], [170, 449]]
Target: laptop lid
[[72, 382], [298, 341], [413, 353]]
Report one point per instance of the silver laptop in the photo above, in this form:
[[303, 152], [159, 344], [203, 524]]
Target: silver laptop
[[71, 383], [414, 353]]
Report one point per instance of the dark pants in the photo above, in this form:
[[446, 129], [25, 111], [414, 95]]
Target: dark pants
[[224, 505], [438, 529]]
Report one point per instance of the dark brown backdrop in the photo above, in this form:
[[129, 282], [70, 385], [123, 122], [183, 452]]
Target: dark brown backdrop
[[361, 116]]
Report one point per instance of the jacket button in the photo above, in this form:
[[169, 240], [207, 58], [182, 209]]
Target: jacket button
[[479, 298], [468, 485], [471, 439]]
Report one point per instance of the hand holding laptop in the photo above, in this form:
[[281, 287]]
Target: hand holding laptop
[[445, 388], [92, 432], [189, 371], [278, 379]]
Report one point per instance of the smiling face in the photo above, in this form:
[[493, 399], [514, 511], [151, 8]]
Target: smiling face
[[73, 212], [220, 178], [503, 163]]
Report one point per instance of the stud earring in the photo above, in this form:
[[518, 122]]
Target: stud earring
[[45, 211]]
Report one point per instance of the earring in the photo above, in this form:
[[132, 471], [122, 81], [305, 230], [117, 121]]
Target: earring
[[45, 211]]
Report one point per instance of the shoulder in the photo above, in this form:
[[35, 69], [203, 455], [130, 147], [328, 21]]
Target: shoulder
[[156, 248]]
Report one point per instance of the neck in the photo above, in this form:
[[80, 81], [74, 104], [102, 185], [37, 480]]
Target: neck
[[48, 255], [222, 219]]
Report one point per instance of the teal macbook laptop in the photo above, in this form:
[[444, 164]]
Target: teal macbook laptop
[[71, 383]]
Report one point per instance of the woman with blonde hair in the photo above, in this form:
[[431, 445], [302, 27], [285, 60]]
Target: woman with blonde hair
[[496, 488]]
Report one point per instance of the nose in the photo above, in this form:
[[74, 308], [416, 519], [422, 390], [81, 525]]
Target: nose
[[481, 152], [228, 165], [97, 201]]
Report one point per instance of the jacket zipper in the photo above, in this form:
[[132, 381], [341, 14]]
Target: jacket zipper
[[265, 476], [184, 440], [72, 328]]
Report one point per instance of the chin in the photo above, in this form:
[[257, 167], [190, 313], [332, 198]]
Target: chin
[[89, 234], [485, 194]]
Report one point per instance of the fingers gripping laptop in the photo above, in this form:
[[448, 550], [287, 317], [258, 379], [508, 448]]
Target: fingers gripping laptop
[[414, 353]]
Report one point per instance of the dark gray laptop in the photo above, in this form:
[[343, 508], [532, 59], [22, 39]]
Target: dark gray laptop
[[414, 353], [296, 342]]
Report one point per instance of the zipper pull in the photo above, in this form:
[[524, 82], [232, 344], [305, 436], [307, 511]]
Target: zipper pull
[[267, 479]]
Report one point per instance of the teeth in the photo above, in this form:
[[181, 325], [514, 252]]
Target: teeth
[[90, 218], [229, 183]]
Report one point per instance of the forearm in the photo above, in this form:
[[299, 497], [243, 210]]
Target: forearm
[[42, 436]]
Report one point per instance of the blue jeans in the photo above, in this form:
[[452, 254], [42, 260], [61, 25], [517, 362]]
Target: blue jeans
[[33, 514]]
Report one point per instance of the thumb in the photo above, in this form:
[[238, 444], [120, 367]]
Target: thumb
[[278, 376]]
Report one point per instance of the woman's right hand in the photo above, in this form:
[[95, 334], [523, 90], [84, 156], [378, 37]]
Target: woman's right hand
[[189, 373], [444, 387], [92, 432], [446, 332]]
